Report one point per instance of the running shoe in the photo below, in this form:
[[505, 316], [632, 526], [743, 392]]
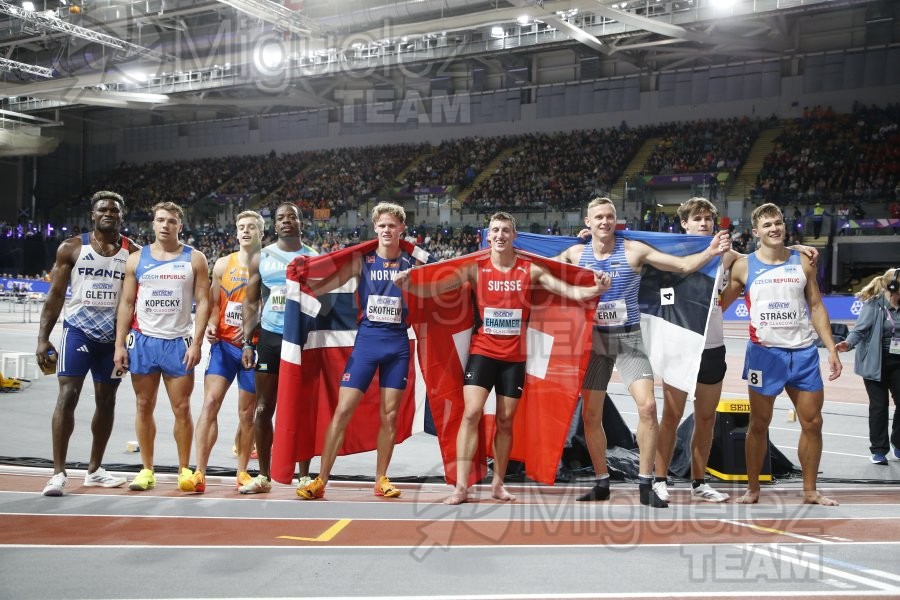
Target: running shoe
[[304, 481], [258, 485], [101, 478], [186, 480], [243, 478], [384, 488], [706, 493], [191, 481], [662, 490], [897, 453], [314, 490], [143, 482], [56, 486], [879, 459]]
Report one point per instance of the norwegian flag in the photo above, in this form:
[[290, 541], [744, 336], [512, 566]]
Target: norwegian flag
[[319, 334]]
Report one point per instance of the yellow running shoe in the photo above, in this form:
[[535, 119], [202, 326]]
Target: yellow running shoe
[[243, 478], [383, 487], [186, 480], [143, 481]]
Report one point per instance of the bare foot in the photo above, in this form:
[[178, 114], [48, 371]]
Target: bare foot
[[457, 497], [748, 498], [500, 493], [815, 497]]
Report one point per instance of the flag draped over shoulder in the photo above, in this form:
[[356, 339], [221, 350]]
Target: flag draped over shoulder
[[558, 336], [319, 334], [674, 308]]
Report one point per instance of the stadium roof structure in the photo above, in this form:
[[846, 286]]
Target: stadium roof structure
[[259, 56]]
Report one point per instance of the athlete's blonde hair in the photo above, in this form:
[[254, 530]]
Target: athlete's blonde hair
[[260, 222], [600, 201], [389, 208]]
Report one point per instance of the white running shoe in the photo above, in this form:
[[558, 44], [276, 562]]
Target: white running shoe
[[304, 481], [662, 490], [56, 486], [708, 494], [258, 485], [102, 478]]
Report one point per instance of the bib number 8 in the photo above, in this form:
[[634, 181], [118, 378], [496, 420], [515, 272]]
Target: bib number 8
[[755, 378]]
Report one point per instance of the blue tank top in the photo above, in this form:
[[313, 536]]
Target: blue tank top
[[381, 304], [618, 307], [273, 273]]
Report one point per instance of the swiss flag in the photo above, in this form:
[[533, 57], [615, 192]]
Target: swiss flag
[[559, 334]]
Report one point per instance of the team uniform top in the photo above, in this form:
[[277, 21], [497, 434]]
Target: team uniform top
[[273, 273], [715, 330], [618, 307], [96, 282], [777, 303], [381, 304], [504, 305], [232, 289], [165, 292]]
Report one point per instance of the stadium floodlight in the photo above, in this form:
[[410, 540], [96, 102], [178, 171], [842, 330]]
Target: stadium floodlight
[[28, 5], [40, 19], [14, 65], [497, 31]]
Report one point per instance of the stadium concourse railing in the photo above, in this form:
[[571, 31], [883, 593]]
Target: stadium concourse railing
[[21, 308]]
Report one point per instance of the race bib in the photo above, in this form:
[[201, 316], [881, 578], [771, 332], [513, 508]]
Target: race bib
[[779, 314], [502, 321], [99, 294], [384, 309], [163, 302], [278, 298], [234, 314], [612, 313]]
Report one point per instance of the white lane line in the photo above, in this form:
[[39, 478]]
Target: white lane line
[[829, 452], [408, 547], [809, 561]]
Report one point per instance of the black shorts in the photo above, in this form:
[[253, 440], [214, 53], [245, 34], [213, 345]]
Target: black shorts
[[712, 366], [268, 352], [508, 378]]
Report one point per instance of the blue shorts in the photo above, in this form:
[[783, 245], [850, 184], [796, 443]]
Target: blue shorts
[[769, 370], [155, 355], [79, 354], [225, 361], [384, 349]]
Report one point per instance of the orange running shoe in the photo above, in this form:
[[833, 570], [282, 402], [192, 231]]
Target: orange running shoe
[[313, 490]]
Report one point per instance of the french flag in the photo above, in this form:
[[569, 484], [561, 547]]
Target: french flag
[[319, 334]]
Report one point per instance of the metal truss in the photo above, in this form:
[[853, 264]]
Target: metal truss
[[14, 65], [276, 14], [50, 21]]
